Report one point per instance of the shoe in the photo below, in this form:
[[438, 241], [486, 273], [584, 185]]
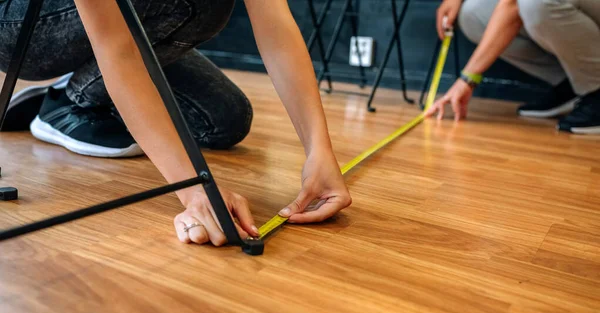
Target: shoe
[[558, 101], [25, 105], [96, 131], [585, 118]]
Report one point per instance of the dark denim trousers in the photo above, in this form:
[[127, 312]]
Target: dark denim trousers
[[218, 113]]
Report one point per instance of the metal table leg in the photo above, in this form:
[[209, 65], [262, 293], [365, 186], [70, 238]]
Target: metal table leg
[[397, 25], [354, 25], [316, 34], [336, 34], [395, 37]]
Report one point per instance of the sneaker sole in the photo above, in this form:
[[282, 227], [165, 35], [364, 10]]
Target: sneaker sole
[[593, 130], [26, 93], [560, 110], [45, 132], [25, 105]]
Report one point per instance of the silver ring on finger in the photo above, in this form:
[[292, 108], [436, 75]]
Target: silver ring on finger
[[188, 227]]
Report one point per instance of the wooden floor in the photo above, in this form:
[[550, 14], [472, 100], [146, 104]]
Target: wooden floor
[[498, 214]]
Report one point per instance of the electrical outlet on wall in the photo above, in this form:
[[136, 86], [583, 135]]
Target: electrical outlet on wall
[[367, 49]]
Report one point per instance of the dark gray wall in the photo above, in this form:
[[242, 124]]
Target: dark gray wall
[[418, 35]]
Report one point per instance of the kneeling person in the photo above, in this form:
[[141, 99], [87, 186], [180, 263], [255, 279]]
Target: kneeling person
[[556, 41]]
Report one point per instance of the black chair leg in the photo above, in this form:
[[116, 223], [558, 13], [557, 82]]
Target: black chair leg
[[354, 25], [316, 34], [398, 24], [395, 36], [336, 35]]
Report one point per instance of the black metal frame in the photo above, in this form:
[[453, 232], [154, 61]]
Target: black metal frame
[[250, 245], [347, 10], [316, 34], [398, 20]]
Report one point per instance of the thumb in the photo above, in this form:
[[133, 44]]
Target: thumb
[[298, 205], [325, 211]]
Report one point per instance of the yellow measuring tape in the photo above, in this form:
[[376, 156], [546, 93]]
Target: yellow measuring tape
[[277, 220]]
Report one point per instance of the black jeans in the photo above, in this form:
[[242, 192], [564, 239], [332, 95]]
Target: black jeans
[[217, 111]]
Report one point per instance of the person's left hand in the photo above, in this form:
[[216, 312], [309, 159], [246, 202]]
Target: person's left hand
[[199, 211], [322, 181], [459, 96]]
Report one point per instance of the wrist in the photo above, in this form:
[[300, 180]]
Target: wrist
[[473, 79], [319, 146], [315, 138], [186, 196]]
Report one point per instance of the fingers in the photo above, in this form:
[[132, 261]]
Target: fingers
[[327, 210], [435, 107], [241, 208], [463, 111], [179, 229], [208, 231], [215, 234], [441, 112], [200, 211], [451, 18], [244, 234], [301, 202], [460, 108], [439, 22], [438, 107], [456, 108], [431, 111], [196, 234]]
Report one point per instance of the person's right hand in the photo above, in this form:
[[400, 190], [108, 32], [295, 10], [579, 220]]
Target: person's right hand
[[450, 9], [321, 181], [458, 96]]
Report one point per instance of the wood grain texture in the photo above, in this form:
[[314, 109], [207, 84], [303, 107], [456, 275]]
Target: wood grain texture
[[497, 214]]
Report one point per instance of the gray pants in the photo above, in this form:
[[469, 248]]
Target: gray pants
[[559, 39]]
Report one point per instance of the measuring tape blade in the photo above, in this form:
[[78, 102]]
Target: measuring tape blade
[[271, 226], [437, 75], [277, 221], [367, 153]]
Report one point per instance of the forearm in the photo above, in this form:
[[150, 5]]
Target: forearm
[[503, 27], [133, 91], [289, 65]]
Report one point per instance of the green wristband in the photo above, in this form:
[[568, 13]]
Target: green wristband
[[474, 78]]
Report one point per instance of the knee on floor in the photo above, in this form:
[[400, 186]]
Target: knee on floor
[[234, 128], [228, 127]]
